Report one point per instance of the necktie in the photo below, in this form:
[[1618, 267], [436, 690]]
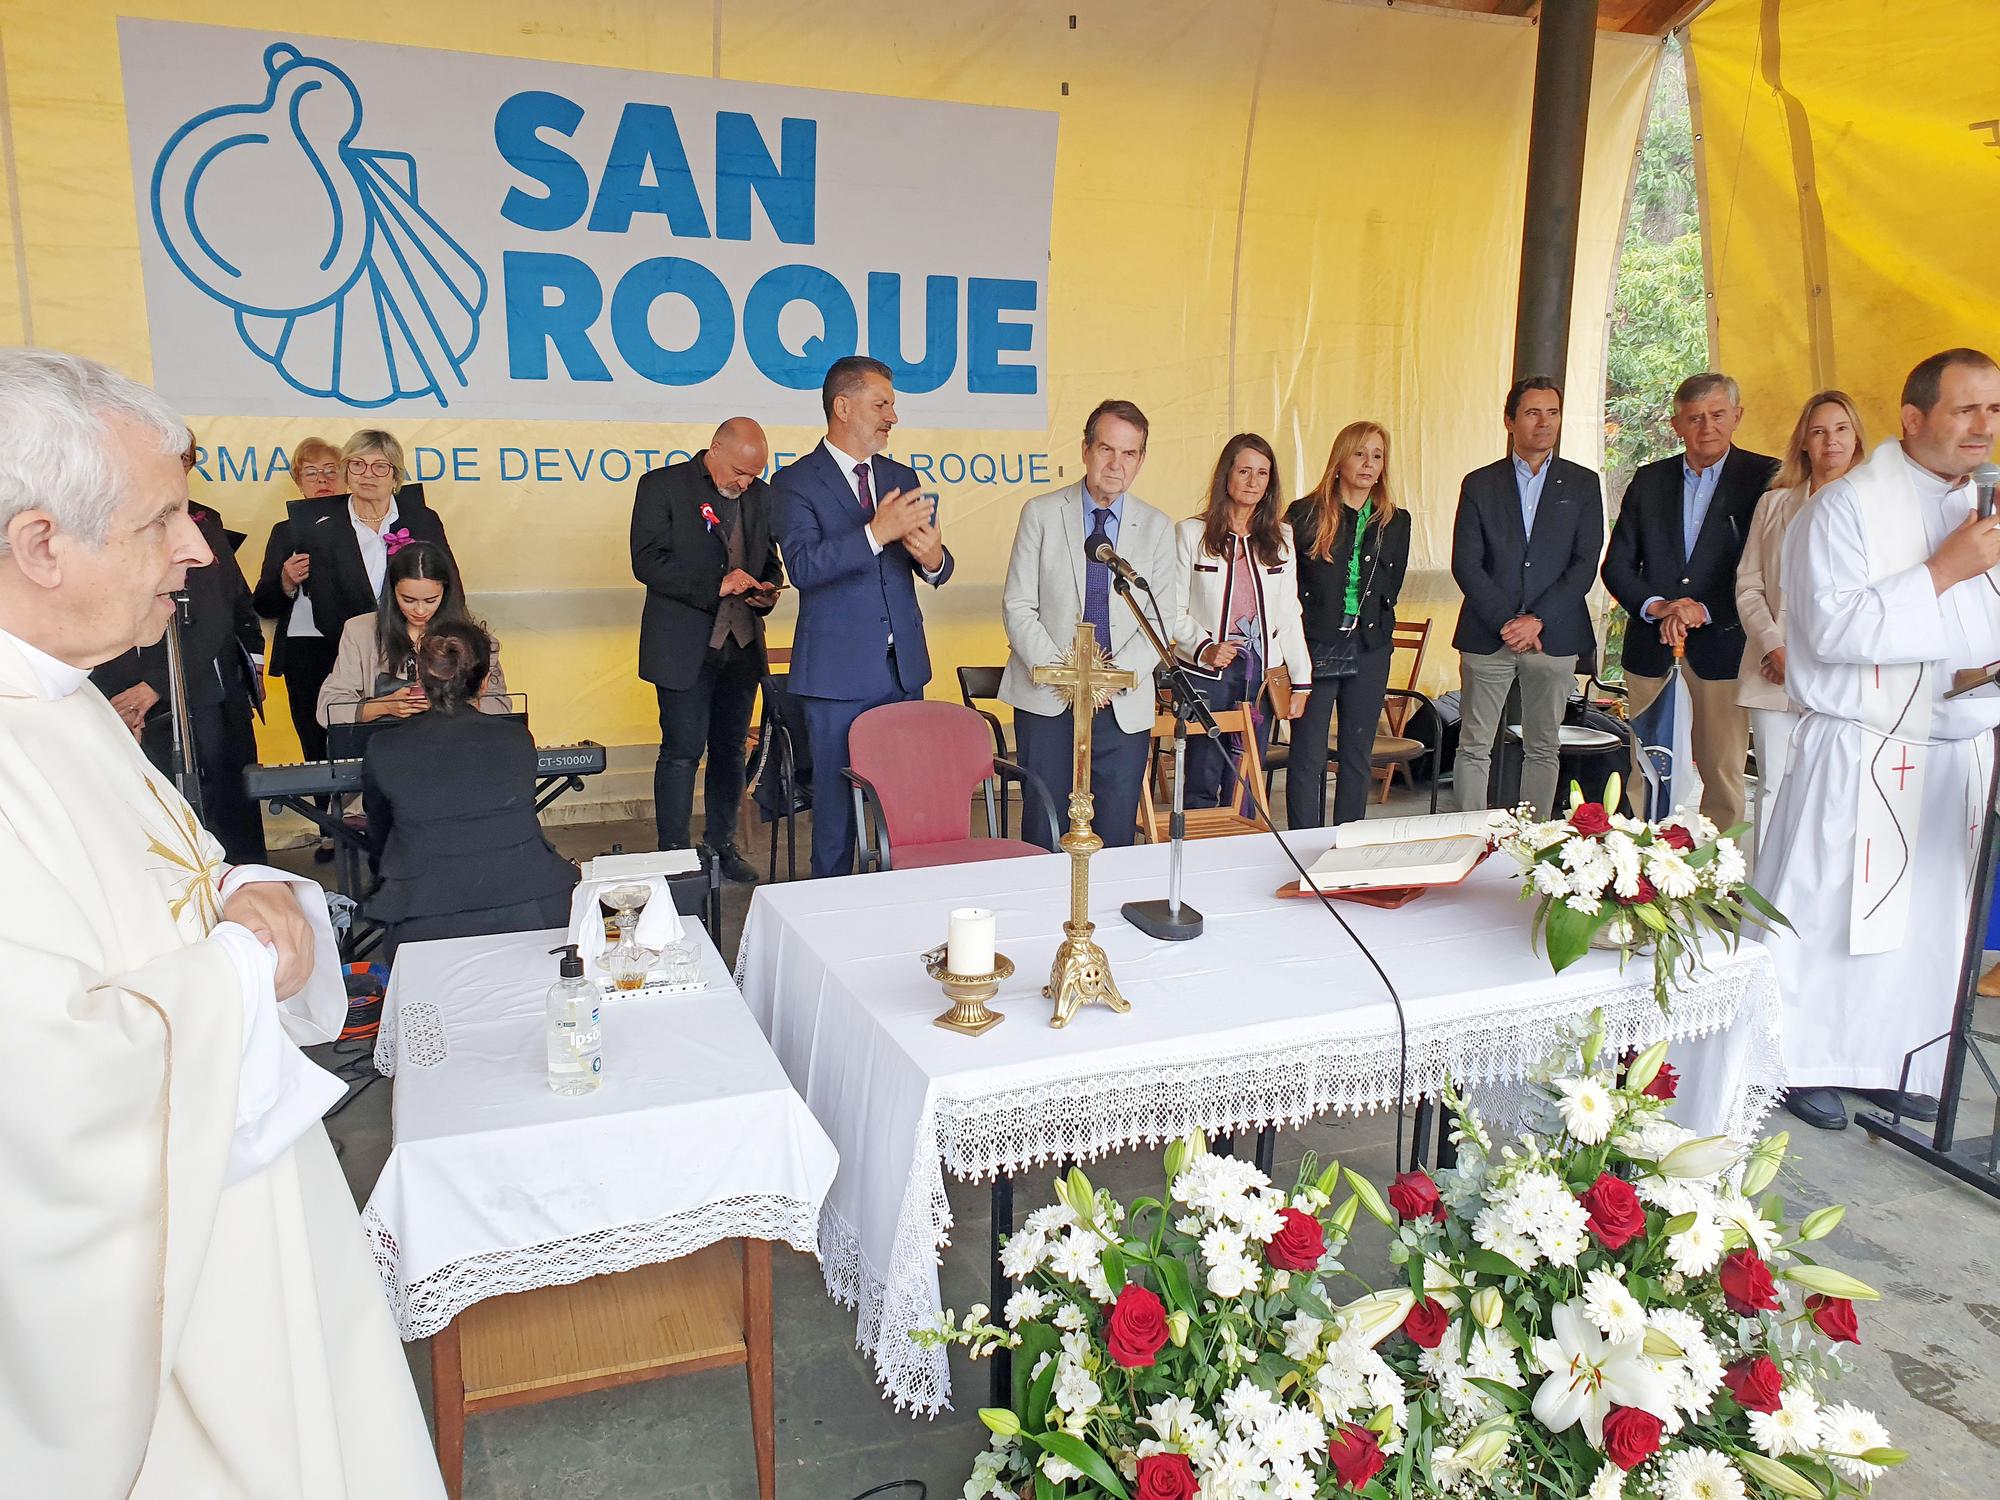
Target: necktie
[[864, 492], [1097, 581]]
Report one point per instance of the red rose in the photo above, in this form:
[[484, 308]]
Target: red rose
[[1631, 1436], [1746, 1284], [1426, 1323], [1299, 1246], [1677, 836], [1665, 1085], [1617, 1217], [1643, 895], [1166, 1476], [1136, 1328], [1356, 1456], [1834, 1317], [1413, 1195], [1755, 1383], [1591, 818]]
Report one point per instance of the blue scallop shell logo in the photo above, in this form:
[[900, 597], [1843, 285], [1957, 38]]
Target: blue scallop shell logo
[[357, 293]]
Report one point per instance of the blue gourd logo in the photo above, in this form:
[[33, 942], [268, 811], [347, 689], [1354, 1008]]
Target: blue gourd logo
[[356, 293]]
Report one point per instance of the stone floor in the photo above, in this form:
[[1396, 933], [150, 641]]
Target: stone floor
[[1929, 1361]]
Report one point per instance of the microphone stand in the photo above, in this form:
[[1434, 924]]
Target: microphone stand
[[1169, 920], [186, 773]]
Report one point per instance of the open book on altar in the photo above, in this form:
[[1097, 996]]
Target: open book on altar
[[1415, 862], [1417, 828]]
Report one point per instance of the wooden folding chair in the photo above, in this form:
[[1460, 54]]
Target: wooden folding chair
[[1207, 822], [1394, 749]]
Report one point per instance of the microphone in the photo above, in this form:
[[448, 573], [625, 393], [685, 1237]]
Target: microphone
[[183, 605], [1985, 479], [1110, 558]]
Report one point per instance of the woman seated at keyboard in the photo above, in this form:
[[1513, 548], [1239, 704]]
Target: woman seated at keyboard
[[450, 799], [373, 674]]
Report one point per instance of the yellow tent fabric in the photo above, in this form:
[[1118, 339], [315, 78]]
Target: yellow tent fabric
[[1850, 151], [1277, 215]]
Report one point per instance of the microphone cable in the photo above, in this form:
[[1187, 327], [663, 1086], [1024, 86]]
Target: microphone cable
[[1305, 884]]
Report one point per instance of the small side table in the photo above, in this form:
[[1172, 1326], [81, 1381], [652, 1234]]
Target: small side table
[[704, 1311]]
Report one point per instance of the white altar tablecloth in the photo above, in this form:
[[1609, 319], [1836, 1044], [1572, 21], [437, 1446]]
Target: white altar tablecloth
[[497, 1185], [1271, 1015]]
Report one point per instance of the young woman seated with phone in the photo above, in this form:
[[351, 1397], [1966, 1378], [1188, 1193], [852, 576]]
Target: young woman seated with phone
[[374, 672]]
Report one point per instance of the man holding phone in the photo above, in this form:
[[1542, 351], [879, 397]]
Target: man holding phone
[[703, 544], [858, 531]]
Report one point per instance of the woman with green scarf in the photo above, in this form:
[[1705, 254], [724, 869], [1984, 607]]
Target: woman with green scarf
[[1354, 547]]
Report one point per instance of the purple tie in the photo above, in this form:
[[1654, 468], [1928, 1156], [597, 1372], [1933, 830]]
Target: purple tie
[[866, 494]]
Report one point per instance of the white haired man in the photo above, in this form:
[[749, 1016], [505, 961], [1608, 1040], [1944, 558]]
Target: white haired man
[[188, 1306]]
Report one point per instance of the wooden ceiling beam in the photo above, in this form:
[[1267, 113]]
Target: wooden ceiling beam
[[1658, 17]]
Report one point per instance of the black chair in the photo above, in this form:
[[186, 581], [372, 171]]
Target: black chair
[[699, 894], [780, 779], [983, 683]]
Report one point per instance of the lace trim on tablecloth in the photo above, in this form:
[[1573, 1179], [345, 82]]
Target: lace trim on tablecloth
[[424, 1307], [1019, 1129]]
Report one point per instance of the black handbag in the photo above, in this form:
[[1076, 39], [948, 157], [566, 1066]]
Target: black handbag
[[1337, 657]]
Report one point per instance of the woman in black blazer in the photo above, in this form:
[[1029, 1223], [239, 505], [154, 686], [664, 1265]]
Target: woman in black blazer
[[450, 798], [301, 652], [1348, 598], [343, 573]]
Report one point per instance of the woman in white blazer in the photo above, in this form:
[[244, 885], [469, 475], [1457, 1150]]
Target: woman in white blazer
[[1826, 443], [1239, 614]]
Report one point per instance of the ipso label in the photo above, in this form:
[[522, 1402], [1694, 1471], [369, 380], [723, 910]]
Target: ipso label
[[335, 226]]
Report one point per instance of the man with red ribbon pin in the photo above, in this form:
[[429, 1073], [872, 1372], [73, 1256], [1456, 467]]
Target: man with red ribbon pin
[[703, 546]]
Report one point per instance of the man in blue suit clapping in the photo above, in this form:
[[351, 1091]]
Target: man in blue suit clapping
[[857, 533]]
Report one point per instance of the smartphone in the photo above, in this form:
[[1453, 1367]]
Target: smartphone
[[932, 496]]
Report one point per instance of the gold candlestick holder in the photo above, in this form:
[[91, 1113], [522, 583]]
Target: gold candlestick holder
[[968, 993]]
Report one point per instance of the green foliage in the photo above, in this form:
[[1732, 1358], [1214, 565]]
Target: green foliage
[[1659, 319]]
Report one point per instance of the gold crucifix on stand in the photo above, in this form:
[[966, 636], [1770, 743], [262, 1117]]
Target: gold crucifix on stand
[[1086, 679]]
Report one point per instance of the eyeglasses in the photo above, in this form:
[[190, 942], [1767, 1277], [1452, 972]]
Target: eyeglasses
[[320, 471], [378, 469]]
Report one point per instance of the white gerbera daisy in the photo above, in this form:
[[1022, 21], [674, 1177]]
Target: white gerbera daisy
[[1846, 1432], [1700, 1474], [1022, 1253], [1611, 1306], [1550, 879], [1697, 1248], [1674, 876], [1793, 1428], [1025, 1304], [1608, 1485], [1588, 1110]]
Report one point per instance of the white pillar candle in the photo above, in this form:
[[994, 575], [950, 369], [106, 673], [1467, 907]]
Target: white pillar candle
[[969, 949]]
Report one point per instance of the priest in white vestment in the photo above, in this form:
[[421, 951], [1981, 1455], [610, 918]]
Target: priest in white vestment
[[1889, 590], [187, 1307]]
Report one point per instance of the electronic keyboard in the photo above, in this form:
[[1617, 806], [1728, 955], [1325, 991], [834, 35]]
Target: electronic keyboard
[[322, 778]]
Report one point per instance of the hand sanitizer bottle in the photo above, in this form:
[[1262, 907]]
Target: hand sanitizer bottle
[[576, 1065]]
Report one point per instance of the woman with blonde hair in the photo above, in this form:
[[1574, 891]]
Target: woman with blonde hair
[[1826, 442], [301, 653], [1354, 547], [348, 537], [1239, 604]]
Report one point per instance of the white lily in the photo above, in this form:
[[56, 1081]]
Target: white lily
[[1373, 1318], [1594, 1374]]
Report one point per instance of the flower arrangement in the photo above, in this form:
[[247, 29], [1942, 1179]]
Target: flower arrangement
[[1600, 878], [1610, 1311], [1604, 1309], [1189, 1347]]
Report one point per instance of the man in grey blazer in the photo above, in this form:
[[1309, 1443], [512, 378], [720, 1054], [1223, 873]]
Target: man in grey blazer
[[1052, 582], [1524, 550]]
